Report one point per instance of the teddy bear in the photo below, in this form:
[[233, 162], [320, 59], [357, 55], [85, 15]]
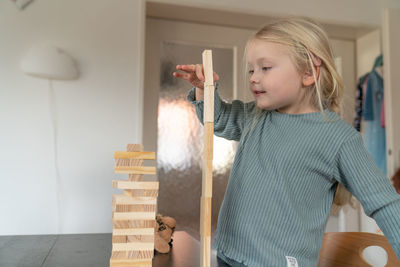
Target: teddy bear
[[165, 227]]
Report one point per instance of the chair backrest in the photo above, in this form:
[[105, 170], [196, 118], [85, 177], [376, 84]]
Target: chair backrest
[[341, 249]]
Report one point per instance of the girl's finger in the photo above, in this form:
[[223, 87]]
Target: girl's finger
[[186, 68], [199, 72], [181, 75], [177, 74], [216, 77]]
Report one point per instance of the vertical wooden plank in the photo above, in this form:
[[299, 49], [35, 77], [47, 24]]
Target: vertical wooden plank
[[205, 230], [205, 216], [208, 87], [207, 159]]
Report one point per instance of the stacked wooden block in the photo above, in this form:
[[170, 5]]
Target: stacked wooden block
[[134, 211], [206, 196]]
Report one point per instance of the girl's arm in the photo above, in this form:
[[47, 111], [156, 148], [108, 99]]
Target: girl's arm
[[228, 118], [358, 173]]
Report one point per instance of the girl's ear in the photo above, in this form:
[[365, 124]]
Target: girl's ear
[[308, 77]]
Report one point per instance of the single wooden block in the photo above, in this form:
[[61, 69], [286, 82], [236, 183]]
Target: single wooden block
[[142, 254], [128, 162], [135, 155], [208, 141], [134, 185], [207, 175], [205, 216], [132, 238], [134, 215], [134, 147], [115, 262], [141, 193], [118, 254], [129, 224], [119, 239], [205, 251], [134, 170], [135, 177], [208, 67], [208, 87], [140, 238], [134, 231], [205, 231], [137, 246], [133, 254], [132, 208], [207, 160], [124, 199], [209, 105]]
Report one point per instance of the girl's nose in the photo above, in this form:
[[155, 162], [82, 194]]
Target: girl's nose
[[254, 78]]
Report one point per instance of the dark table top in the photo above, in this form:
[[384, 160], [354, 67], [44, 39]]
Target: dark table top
[[88, 250], [185, 252]]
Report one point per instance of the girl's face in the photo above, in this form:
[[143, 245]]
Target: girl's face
[[274, 80]]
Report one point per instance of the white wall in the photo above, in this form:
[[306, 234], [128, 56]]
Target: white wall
[[97, 114], [356, 12], [368, 49]]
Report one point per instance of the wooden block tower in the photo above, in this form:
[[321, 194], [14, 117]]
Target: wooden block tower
[[134, 211], [207, 177]]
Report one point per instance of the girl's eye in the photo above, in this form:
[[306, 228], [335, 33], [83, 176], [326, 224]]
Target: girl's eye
[[251, 72], [266, 68]]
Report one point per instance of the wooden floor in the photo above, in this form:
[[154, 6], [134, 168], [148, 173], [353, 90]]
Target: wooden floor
[[91, 250]]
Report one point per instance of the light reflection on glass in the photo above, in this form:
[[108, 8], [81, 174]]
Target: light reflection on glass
[[178, 126]]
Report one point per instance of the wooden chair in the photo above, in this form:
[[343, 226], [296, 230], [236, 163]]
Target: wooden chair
[[344, 249]]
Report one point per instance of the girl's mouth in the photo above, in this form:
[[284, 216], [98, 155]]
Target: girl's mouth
[[258, 93]]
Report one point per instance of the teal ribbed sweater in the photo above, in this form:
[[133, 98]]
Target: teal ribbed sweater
[[283, 181]]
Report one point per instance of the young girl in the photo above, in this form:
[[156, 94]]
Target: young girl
[[294, 150]]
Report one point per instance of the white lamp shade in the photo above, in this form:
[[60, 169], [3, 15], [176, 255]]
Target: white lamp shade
[[49, 62]]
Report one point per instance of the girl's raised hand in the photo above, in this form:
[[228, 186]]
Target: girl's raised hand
[[193, 74]]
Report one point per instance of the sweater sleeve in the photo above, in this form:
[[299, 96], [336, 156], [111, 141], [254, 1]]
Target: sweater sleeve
[[228, 118], [359, 174]]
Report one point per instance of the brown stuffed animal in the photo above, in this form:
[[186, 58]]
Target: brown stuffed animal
[[165, 227]]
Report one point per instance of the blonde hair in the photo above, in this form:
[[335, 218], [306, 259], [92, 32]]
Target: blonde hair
[[304, 39]]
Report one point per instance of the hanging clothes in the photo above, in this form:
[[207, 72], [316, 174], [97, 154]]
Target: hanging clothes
[[360, 93], [374, 133]]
